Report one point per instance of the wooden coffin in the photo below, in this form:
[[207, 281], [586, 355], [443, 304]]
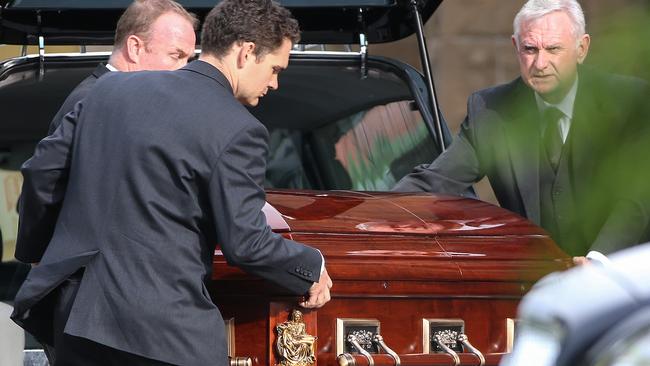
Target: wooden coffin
[[411, 267]]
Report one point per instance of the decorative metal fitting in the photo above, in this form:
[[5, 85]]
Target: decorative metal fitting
[[380, 341], [294, 345], [355, 342], [441, 343], [464, 340]]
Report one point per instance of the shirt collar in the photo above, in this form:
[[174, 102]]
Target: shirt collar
[[565, 106], [111, 67]]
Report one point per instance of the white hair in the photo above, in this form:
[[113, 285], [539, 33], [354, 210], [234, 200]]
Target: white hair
[[535, 9]]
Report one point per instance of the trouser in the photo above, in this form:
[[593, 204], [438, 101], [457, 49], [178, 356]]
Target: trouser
[[76, 351]]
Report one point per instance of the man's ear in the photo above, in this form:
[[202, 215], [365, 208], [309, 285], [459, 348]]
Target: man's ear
[[514, 43], [134, 48], [583, 47], [245, 54]]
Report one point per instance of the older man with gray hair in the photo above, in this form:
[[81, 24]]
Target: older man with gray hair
[[548, 140]]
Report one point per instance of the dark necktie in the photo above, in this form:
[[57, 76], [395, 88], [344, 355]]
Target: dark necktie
[[552, 136]]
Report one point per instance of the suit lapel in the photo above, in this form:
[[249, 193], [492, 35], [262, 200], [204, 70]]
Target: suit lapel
[[521, 128]]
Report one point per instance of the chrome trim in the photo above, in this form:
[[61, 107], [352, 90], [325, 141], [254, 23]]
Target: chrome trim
[[326, 53], [428, 76], [351, 54], [380, 341], [363, 46], [41, 57], [353, 339], [294, 52], [465, 342], [53, 57]]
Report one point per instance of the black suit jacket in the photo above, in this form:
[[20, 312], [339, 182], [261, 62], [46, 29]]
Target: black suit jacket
[[500, 139], [79, 92], [163, 165]]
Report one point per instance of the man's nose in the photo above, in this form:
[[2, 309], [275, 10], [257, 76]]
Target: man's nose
[[273, 83], [541, 60]]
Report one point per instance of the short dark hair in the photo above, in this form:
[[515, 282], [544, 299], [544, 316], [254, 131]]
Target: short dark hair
[[263, 22], [141, 14]]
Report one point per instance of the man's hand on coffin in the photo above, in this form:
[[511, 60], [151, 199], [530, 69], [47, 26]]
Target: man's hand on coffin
[[319, 293]]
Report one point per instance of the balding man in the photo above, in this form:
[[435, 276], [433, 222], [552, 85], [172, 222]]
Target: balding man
[[150, 35]]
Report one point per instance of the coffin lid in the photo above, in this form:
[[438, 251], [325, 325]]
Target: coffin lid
[[64, 22], [390, 213], [371, 236]]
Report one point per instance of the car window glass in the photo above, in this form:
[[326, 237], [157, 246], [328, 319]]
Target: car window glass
[[331, 127], [284, 167], [378, 146], [368, 150]]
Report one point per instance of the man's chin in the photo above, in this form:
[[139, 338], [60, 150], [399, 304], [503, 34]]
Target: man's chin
[[250, 102], [544, 87]]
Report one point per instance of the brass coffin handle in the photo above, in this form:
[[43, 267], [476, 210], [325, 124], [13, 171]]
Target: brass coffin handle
[[355, 342], [464, 340], [380, 341], [241, 361], [448, 350]]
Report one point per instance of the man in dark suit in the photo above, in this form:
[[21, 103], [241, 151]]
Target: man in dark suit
[[545, 139], [150, 35], [150, 187]]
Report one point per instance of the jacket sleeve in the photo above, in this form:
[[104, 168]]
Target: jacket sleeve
[[626, 225], [237, 198], [45, 178]]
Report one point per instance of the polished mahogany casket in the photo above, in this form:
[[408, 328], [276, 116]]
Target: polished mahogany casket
[[438, 278]]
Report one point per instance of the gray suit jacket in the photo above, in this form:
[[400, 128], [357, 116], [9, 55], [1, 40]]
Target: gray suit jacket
[[500, 139], [163, 166]]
